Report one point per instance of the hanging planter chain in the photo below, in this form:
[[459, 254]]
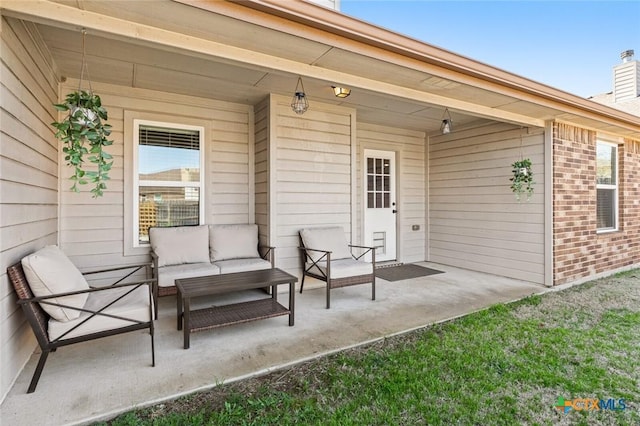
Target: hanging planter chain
[[83, 133], [85, 66]]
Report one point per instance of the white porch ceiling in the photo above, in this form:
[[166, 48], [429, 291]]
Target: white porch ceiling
[[143, 44], [133, 65]]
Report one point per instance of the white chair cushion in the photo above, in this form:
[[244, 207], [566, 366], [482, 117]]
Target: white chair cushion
[[49, 271], [242, 265], [233, 241], [180, 244], [343, 268], [329, 239], [135, 306], [168, 274]]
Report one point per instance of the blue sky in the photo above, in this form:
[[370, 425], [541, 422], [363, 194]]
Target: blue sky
[[569, 45]]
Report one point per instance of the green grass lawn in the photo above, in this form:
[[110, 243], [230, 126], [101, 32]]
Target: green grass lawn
[[502, 366]]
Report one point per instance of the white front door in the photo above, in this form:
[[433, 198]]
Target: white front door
[[380, 203]]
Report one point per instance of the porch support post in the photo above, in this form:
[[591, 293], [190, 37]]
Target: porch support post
[[548, 203], [355, 215]]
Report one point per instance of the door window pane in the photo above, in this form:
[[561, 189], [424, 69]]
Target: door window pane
[[378, 183]]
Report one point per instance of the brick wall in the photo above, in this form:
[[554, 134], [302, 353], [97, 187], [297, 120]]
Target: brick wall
[[579, 251]]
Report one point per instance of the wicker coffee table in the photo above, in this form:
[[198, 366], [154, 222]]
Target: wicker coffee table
[[236, 313]]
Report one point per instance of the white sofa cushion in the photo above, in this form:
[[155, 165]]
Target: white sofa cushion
[[49, 271], [168, 274], [233, 241], [343, 268], [329, 239], [242, 265], [180, 244], [135, 306]]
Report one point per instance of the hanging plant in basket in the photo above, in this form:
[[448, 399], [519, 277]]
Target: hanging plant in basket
[[83, 134], [522, 180]]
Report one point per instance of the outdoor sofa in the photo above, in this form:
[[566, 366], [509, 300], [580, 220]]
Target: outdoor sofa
[[194, 251]]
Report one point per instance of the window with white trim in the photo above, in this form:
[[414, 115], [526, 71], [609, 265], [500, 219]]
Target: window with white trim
[[607, 186], [168, 176]]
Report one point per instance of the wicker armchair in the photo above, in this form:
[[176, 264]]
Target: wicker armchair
[[328, 257], [88, 314]]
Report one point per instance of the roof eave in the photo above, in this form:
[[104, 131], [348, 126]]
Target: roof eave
[[322, 18]]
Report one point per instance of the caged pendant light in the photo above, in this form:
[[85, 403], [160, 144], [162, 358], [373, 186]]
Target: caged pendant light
[[447, 123], [299, 103]]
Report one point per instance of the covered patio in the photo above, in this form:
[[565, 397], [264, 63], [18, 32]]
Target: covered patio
[[228, 69], [97, 380]]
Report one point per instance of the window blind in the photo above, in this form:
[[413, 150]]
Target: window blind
[[169, 138]]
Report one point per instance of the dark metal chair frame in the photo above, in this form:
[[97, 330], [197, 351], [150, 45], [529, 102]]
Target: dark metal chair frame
[[38, 318], [336, 282]]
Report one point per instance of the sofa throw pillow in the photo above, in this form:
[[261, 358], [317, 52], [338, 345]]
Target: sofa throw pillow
[[180, 244], [329, 239], [49, 271], [233, 241]]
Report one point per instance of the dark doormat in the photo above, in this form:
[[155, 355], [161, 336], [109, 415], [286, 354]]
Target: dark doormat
[[404, 272]]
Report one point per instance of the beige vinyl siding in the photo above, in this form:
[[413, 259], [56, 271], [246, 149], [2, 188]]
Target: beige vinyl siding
[[475, 220], [92, 230], [28, 178], [313, 173], [230, 168], [410, 187], [262, 170]]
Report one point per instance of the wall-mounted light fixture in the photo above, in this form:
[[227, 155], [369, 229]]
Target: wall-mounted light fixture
[[341, 92], [447, 123], [299, 103]]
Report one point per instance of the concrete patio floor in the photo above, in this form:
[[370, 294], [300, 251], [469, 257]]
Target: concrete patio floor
[[97, 380]]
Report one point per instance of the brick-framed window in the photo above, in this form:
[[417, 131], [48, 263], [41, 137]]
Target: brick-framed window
[[607, 186]]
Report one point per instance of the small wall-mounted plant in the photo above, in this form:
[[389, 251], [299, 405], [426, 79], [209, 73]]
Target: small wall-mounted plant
[[522, 180], [84, 135]]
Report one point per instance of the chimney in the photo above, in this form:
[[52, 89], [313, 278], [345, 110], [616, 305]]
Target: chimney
[[626, 78], [627, 56], [331, 4]]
